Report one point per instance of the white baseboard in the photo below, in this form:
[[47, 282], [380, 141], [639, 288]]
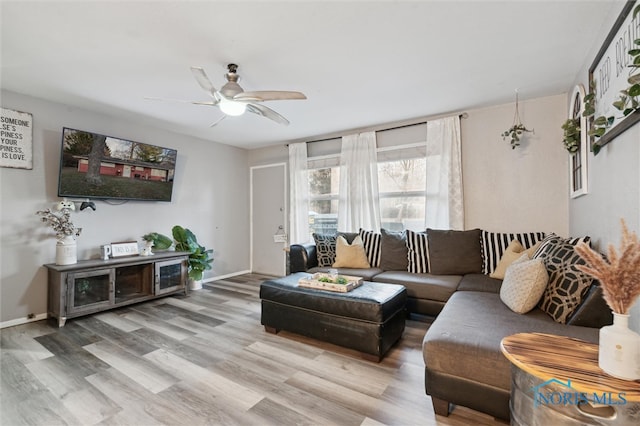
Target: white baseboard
[[222, 277], [20, 321]]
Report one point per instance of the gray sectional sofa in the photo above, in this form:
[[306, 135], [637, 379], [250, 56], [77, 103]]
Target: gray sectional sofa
[[463, 361]]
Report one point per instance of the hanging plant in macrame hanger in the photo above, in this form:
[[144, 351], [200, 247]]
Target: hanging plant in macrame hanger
[[516, 132]]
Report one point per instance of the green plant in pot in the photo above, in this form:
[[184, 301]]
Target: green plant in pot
[[571, 138], [158, 241], [200, 258]]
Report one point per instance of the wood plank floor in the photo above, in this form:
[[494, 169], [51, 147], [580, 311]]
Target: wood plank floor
[[205, 359]]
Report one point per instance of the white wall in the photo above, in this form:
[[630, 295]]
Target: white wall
[[614, 180], [522, 189], [614, 193], [211, 197], [525, 189]]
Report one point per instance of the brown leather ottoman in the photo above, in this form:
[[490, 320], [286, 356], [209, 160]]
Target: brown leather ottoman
[[369, 319]]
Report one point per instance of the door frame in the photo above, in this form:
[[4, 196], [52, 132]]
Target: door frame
[[285, 213]]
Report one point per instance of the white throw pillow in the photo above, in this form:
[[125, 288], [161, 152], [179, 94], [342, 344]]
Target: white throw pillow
[[524, 283]]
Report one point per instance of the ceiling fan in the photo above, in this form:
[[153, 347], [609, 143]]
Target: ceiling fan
[[233, 100]]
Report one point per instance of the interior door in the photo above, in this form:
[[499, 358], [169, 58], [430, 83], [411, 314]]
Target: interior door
[[268, 219]]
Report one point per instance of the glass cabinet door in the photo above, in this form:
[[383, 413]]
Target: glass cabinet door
[[171, 275], [133, 282], [90, 290]]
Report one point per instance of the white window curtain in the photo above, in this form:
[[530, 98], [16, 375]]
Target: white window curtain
[[359, 204], [298, 194], [444, 201]]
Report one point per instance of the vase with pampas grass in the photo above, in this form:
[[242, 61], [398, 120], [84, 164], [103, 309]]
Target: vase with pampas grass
[[619, 276]]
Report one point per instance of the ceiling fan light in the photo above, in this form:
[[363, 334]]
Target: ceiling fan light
[[233, 108]]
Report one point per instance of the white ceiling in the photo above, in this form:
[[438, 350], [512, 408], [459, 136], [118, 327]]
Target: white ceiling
[[360, 63]]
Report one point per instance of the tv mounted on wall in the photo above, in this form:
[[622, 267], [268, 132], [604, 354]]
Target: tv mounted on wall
[[103, 167]]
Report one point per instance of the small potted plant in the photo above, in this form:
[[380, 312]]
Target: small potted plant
[[156, 241], [515, 133], [517, 130], [200, 258], [571, 138]]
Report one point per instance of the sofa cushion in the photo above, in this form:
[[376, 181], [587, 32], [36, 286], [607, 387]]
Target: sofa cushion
[[494, 244], [593, 311], [350, 255], [454, 252], [371, 242], [325, 249], [393, 251], [567, 284], [524, 283], [417, 252], [479, 282], [422, 286], [471, 326]]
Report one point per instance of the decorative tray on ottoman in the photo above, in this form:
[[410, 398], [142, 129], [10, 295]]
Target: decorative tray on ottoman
[[330, 282]]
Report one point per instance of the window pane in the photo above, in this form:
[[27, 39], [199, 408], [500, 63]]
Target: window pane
[[398, 213], [323, 223], [324, 185], [402, 175], [402, 193], [324, 181]]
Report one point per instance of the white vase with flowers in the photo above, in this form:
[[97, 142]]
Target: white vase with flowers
[[66, 233], [619, 276]]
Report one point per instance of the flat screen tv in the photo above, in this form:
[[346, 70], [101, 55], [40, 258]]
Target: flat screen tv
[[103, 167]]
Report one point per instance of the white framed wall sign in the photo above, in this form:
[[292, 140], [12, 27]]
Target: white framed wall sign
[[610, 72], [126, 248], [578, 160], [16, 139]]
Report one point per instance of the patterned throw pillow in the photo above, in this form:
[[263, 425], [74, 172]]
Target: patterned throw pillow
[[553, 237], [371, 242], [567, 285], [494, 244], [325, 249], [418, 252], [524, 282]]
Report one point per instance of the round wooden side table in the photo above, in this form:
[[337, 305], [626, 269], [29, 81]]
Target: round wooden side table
[[555, 380]]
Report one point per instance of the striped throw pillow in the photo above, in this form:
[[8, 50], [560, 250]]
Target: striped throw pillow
[[494, 244], [371, 242], [418, 252]]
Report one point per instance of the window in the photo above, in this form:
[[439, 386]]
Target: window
[[401, 182], [402, 178], [324, 184], [578, 159]]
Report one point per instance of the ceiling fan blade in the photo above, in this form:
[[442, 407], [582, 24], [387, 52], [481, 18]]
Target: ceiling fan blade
[[267, 113], [269, 95], [203, 80], [218, 121], [207, 103]]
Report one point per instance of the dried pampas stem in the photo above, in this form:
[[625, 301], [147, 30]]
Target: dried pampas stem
[[619, 275]]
